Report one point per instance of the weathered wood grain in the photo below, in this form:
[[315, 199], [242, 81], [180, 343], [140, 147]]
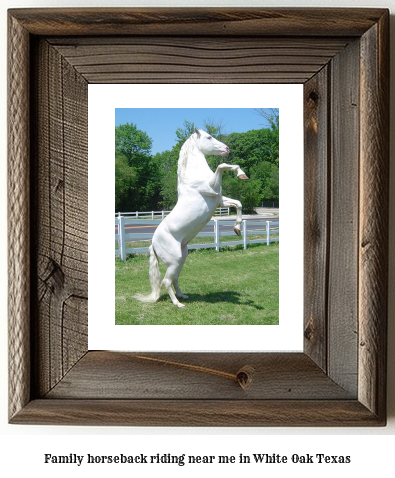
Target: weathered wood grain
[[61, 211], [344, 210], [373, 226], [198, 21], [316, 214], [202, 413], [183, 376], [18, 217], [164, 59]]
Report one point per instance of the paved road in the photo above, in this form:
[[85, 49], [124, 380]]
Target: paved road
[[140, 229]]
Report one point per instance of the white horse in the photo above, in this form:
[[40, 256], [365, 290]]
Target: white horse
[[199, 194]]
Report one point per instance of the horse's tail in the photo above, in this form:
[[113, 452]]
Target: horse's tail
[[154, 278]]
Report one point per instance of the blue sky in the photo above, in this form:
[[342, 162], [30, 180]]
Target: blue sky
[[161, 123]]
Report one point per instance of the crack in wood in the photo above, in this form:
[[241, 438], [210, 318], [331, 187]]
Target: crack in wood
[[243, 376]]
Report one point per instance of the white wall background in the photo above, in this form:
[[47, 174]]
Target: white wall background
[[23, 447]]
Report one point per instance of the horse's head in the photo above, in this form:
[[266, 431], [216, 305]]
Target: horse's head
[[209, 145]]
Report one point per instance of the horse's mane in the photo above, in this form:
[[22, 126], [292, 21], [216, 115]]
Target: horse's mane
[[183, 158]]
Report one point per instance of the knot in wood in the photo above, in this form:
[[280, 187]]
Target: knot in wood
[[244, 376], [54, 277], [309, 331], [313, 96]]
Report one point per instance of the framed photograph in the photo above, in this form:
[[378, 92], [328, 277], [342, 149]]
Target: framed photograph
[[237, 289], [341, 57]]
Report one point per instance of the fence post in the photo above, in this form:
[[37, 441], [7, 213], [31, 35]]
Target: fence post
[[216, 234], [245, 233], [268, 233], [228, 211], [122, 244], [163, 215], [137, 214], [152, 214]]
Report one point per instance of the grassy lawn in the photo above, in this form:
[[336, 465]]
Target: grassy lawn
[[230, 287]]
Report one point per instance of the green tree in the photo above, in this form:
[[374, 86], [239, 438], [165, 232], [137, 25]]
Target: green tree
[[253, 147], [167, 166], [125, 179], [268, 174], [137, 182], [257, 153], [272, 116], [247, 192], [132, 143], [215, 128], [185, 132]]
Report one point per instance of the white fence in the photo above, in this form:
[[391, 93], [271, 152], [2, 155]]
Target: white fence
[[269, 229], [220, 211]]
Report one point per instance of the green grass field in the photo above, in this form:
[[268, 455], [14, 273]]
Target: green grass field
[[230, 287]]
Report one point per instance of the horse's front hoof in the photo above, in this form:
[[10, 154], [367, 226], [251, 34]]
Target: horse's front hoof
[[243, 176], [237, 231], [181, 306]]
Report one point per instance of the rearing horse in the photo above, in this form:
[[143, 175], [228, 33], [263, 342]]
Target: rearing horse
[[199, 194]]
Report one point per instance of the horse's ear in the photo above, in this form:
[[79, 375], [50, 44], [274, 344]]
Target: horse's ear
[[197, 131]]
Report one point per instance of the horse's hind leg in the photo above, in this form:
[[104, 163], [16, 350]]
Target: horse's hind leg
[[171, 275], [229, 202], [184, 251], [170, 252], [173, 257]]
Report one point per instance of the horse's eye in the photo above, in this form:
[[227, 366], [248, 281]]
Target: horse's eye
[[209, 137]]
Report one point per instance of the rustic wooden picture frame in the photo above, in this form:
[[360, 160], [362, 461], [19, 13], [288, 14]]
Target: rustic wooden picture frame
[[342, 58]]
